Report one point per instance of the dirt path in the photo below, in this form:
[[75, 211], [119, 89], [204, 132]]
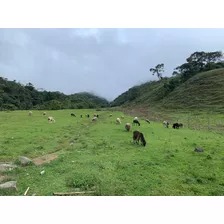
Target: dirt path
[[2, 177], [45, 159]]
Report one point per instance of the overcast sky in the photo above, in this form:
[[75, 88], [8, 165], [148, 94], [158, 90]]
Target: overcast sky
[[103, 61]]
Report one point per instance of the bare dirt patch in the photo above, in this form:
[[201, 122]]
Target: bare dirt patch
[[145, 113], [2, 177], [44, 159]]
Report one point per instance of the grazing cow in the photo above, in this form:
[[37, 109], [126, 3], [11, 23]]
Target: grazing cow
[[95, 115], [128, 126], [166, 124], [51, 119], [44, 113], [136, 122], [122, 117], [147, 121], [118, 121], [139, 136], [30, 113], [176, 126], [73, 115], [94, 119]]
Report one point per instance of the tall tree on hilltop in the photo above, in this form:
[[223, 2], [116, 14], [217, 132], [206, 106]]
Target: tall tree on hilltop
[[200, 59], [197, 59], [197, 62], [158, 70]]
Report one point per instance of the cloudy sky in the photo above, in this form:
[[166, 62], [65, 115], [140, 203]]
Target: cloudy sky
[[103, 61]]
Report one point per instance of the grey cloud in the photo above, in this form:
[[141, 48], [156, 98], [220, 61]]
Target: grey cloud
[[104, 61]]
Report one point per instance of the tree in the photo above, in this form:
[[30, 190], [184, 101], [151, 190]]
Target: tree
[[213, 57], [202, 59], [30, 86], [158, 70], [197, 59], [172, 84], [197, 62], [185, 71]]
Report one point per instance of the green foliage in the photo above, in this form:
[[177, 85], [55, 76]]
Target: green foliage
[[15, 96], [199, 62], [133, 93], [127, 96], [172, 84], [158, 70], [8, 106], [53, 105]]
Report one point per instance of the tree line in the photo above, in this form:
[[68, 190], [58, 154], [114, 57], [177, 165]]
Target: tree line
[[16, 96]]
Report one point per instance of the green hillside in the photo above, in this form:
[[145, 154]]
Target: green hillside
[[16, 96], [146, 94], [196, 84], [202, 91]]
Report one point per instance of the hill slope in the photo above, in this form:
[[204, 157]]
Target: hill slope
[[203, 91], [15, 96]]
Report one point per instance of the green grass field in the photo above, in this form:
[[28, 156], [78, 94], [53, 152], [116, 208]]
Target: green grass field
[[103, 158]]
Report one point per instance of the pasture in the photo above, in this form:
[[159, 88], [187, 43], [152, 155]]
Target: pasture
[[101, 157]]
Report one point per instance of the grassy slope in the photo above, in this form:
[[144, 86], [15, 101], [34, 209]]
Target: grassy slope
[[105, 157], [151, 94], [33, 135], [203, 91]]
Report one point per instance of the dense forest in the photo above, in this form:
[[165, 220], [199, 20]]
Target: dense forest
[[155, 92], [16, 96]]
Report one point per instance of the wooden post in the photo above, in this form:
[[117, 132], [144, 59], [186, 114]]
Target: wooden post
[[26, 191]]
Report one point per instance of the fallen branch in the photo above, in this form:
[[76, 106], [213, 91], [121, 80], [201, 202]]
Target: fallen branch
[[70, 193], [26, 190]]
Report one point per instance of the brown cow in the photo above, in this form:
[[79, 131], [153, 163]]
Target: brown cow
[[139, 136]]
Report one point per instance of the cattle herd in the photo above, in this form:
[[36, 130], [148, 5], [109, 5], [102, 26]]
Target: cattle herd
[[137, 136]]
